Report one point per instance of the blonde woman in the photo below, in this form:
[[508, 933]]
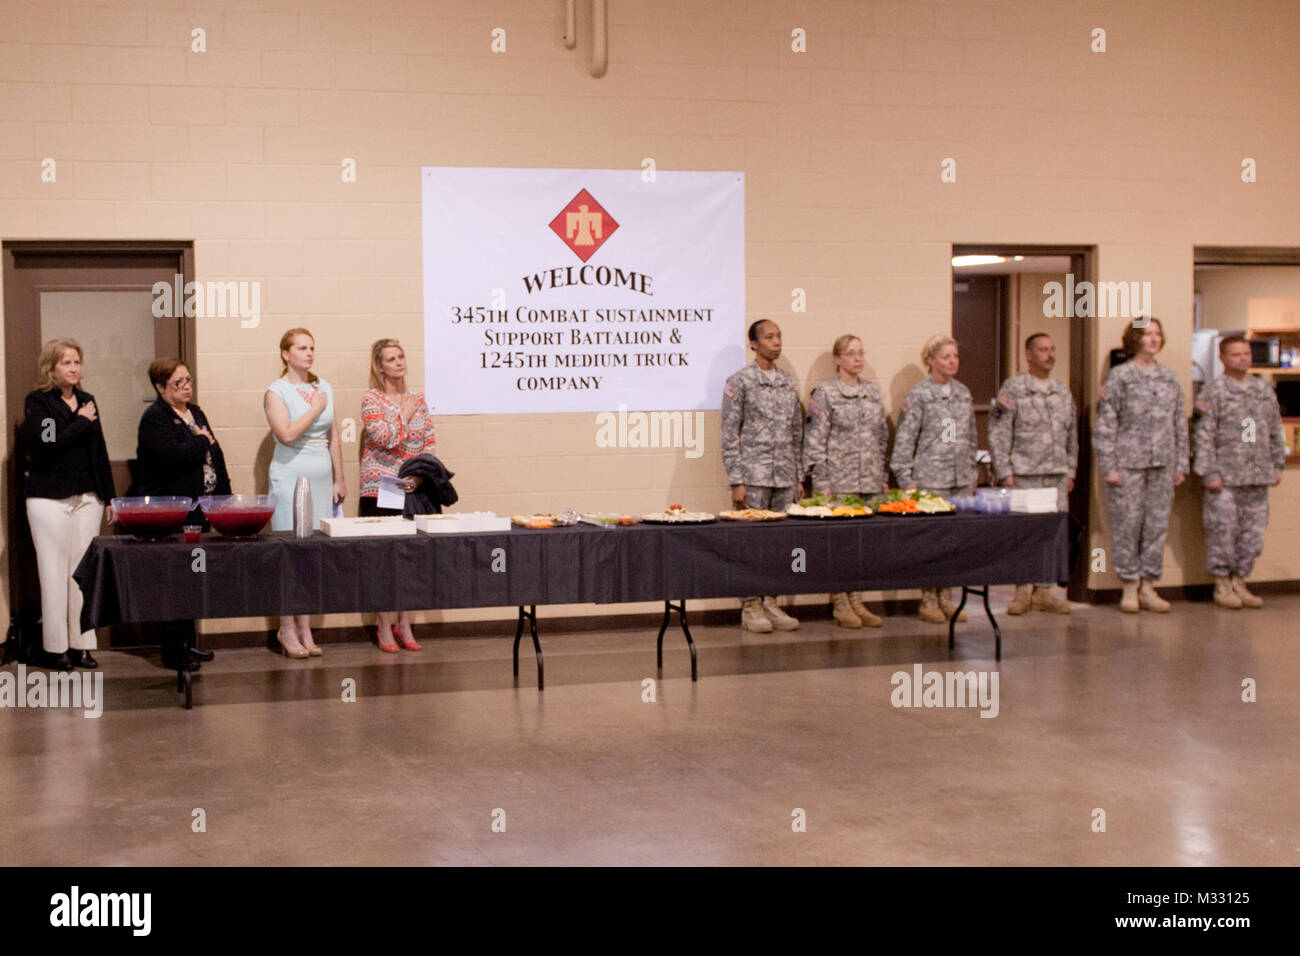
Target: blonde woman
[[300, 410], [845, 443], [68, 484], [935, 445], [398, 427]]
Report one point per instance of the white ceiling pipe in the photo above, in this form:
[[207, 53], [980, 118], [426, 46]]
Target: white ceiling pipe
[[570, 24], [599, 38]]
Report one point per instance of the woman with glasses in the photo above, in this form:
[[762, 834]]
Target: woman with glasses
[[844, 447], [177, 454]]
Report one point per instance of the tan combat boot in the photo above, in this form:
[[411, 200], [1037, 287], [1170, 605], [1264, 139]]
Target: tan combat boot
[[946, 605], [1224, 595], [863, 612], [1020, 603], [752, 617], [780, 620], [1150, 600], [844, 615], [1044, 600], [930, 612], [1247, 599], [1129, 602]]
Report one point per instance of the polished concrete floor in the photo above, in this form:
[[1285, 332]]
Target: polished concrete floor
[[1138, 716]]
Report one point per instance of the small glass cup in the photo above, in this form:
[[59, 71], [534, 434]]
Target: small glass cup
[[192, 532]]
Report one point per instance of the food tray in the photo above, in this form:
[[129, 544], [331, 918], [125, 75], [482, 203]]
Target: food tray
[[461, 523], [385, 526], [696, 518], [743, 516]]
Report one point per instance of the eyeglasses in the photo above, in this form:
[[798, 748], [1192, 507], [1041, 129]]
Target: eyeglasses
[[180, 383]]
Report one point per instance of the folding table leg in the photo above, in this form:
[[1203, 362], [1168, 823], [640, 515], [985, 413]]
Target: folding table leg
[[997, 632], [952, 621], [680, 608], [531, 615]]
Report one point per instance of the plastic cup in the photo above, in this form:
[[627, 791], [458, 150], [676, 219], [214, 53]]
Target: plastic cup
[[192, 532]]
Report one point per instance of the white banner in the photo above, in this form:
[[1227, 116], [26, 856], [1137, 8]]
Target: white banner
[[568, 290]]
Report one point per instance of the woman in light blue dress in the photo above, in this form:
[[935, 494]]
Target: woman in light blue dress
[[300, 410]]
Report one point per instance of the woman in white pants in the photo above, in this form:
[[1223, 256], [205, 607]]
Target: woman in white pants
[[67, 483]]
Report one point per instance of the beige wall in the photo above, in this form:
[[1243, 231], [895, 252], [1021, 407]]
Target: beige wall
[[1136, 150], [1226, 292]]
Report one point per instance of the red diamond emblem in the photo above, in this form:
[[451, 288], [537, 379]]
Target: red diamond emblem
[[583, 225]]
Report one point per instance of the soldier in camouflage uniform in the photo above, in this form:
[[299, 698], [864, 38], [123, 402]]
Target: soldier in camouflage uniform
[[762, 443], [1240, 451], [844, 447], [934, 448], [1141, 445], [1034, 444]]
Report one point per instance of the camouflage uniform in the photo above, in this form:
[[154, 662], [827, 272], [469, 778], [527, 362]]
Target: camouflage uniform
[[1239, 438], [762, 430], [1142, 434], [846, 438], [1032, 434], [921, 454], [762, 435]]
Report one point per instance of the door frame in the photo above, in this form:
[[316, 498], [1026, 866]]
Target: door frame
[[21, 305], [1083, 342]]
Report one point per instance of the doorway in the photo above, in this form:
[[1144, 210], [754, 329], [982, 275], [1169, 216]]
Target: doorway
[[998, 296], [101, 294]]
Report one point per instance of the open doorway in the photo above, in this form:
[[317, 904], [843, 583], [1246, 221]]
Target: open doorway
[[101, 294], [999, 297]]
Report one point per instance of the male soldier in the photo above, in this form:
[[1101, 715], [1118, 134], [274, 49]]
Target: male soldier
[[1033, 442], [762, 443], [1240, 451]]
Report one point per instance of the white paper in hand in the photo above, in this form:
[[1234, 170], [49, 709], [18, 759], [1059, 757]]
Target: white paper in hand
[[392, 492]]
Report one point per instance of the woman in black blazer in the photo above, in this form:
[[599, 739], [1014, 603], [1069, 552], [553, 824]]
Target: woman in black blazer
[[176, 454], [68, 484]]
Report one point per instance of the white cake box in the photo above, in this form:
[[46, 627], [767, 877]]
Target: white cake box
[[461, 523], [1033, 500], [366, 527]]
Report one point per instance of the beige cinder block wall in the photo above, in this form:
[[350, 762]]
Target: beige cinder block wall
[[1137, 150]]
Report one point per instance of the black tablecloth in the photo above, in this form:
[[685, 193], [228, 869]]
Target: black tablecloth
[[123, 579]]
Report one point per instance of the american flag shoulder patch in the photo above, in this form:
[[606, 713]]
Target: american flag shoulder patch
[[814, 408], [1005, 400], [1105, 392], [1202, 405], [905, 407], [728, 391]]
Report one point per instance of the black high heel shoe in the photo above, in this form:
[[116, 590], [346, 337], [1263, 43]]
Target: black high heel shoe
[[54, 662], [199, 655], [82, 659]]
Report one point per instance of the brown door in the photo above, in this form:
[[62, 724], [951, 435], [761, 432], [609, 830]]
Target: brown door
[[101, 294], [977, 307]]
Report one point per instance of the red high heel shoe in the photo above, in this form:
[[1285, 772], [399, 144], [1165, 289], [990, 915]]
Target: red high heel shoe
[[411, 645], [389, 648]]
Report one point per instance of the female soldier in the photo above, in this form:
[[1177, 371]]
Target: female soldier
[[935, 444], [1142, 451], [845, 443]]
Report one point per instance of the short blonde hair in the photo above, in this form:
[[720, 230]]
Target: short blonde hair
[[842, 344], [286, 343], [377, 358], [51, 355], [932, 346]]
